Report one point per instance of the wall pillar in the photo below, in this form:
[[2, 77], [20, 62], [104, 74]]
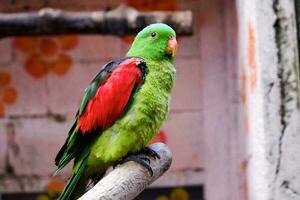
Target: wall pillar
[[269, 65]]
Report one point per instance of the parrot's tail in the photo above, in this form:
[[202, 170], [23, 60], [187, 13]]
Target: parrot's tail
[[69, 190]]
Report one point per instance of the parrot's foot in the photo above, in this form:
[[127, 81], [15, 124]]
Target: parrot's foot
[[150, 152], [141, 159]]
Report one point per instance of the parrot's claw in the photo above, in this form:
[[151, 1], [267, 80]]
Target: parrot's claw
[[141, 159], [150, 152]]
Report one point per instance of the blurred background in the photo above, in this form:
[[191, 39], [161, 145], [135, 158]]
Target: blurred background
[[234, 124], [42, 80]]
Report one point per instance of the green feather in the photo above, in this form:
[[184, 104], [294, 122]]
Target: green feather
[[69, 188], [152, 48], [68, 151], [90, 93], [92, 89]]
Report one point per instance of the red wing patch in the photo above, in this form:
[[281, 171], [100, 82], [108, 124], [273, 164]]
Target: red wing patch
[[111, 97]]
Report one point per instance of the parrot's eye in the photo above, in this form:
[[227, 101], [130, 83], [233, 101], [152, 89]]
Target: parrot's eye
[[153, 34]]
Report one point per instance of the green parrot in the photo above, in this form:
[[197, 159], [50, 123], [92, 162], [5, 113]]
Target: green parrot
[[122, 109]]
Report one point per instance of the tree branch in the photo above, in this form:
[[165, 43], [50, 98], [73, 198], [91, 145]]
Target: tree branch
[[120, 21], [128, 180]]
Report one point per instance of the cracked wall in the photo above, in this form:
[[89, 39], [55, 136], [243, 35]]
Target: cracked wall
[[273, 117], [288, 164]]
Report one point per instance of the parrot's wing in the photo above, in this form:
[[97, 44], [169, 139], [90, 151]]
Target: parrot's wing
[[115, 85], [105, 100], [98, 80]]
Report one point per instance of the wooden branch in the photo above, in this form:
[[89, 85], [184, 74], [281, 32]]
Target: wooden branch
[[128, 180], [120, 21]]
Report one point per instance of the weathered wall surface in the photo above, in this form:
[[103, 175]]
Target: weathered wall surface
[[269, 62], [42, 80]]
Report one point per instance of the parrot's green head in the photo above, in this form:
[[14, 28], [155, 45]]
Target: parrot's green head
[[155, 42]]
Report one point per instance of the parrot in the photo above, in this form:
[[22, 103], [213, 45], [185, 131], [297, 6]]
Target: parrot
[[121, 110]]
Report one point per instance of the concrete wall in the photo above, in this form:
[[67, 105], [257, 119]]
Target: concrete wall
[[270, 85]]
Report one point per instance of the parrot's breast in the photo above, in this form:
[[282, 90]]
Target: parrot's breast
[[151, 102]]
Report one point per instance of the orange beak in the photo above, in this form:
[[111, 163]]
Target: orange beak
[[171, 46]]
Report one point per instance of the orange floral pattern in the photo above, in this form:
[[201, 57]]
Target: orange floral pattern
[[176, 194], [8, 94], [46, 54], [53, 189]]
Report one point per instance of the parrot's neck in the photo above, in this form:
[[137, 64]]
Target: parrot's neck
[[160, 68], [162, 74]]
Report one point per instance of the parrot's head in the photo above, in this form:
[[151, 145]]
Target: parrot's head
[[156, 42]]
